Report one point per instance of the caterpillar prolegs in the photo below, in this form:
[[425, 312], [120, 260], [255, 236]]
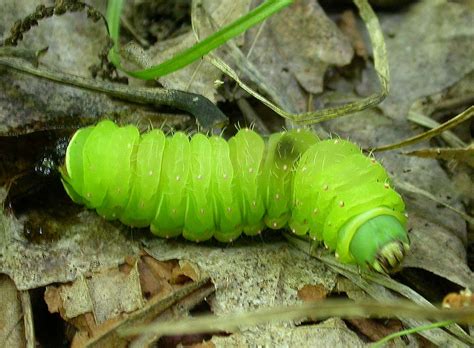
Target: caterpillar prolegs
[[204, 187]]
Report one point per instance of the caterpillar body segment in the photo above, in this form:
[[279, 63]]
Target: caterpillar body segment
[[283, 151], [207, 187], [172, 199], [247, 151], [141, 206]]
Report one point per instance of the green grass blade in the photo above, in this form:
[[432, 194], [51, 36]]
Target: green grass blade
[[201, 48], [381, 343], [114, 9]]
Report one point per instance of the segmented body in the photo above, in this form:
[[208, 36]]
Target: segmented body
[[204, 187]]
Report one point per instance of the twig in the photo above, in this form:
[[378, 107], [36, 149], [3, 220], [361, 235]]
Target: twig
[[208, 115]]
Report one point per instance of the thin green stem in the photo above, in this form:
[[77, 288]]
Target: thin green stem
[[384, 340]]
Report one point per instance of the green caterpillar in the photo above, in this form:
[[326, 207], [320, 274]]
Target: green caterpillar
[[206, 187]]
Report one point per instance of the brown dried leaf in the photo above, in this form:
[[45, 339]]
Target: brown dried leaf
[[53, 299], [348, 25], [154, 277], [12, 329], [89, 329], [159, 268], [190, 270], [311, 292], [374, 329], [80, 339], [106, 294]]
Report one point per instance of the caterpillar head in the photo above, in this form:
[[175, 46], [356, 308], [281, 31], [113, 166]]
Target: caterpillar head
[[380, 243], [389, 258]]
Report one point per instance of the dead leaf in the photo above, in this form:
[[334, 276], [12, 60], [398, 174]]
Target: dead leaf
[[200, 76], [376, 330], [106, 295], [12, 329], [53, 299], [329, 333], [309, 43], [465, 155], [348, 25], [429, 49], [188, 270], [295, 48], [312, 293], [155, 277], [248, 275], [438, 252]]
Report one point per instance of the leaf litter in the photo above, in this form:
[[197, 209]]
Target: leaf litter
[[249, 276]]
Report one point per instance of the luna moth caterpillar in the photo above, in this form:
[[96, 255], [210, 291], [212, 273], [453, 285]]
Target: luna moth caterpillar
[[203, 187]]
